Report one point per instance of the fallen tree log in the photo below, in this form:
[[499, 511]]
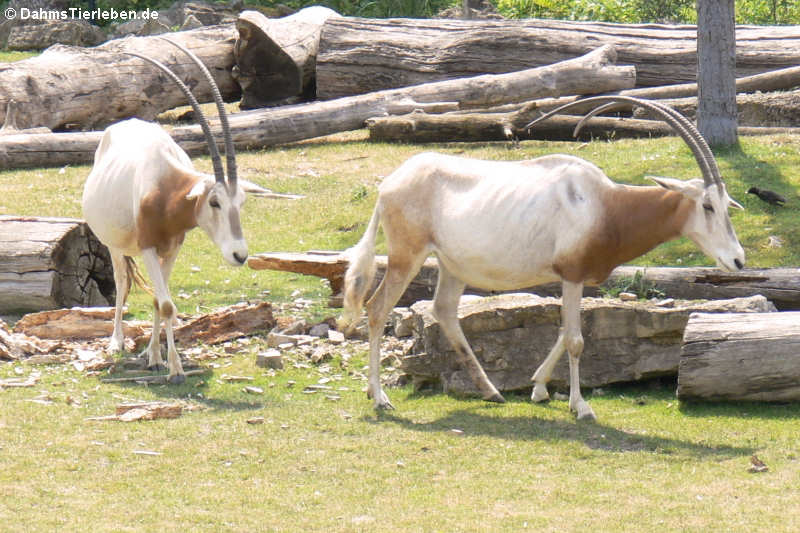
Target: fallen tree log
[[511, 334], [86, 88], [741, 357], [471, 127], [779, 285], [46, 263], [402, 52], [772, 109], [276, 58], [267, 127]]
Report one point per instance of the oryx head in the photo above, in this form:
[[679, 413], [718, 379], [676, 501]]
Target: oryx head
[[218, 200], [707, 224]]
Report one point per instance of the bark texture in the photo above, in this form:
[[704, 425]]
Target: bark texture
[[46, 263], [89, 88], [741, 357], [401, 52], [276, 58], [716, 71]]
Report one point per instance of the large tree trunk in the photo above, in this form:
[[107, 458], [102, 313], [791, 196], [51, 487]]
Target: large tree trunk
[[276, 58], [716, 71], [741, 357], [87, 88], [582, 75], [46, 263], [401, 52]]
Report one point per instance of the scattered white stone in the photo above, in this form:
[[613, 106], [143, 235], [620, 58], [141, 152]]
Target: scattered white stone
[[336, 337]]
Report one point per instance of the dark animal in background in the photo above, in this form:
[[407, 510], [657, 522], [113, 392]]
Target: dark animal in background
[[768, 196]]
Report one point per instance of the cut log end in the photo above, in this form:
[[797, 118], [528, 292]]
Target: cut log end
[[48, 263]]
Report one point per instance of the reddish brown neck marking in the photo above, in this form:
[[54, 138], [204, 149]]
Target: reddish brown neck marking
[[165, 214], [637, 219]]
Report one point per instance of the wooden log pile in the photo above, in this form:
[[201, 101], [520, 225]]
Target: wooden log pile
[[46, 263], [370, 68], [266, 127]]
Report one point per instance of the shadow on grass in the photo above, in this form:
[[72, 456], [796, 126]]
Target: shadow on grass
[[189, 391], [485, 420]]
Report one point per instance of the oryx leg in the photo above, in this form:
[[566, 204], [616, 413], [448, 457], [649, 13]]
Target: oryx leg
[[571, 339], [400, 270], [122, 284], [159, 271], [445, 308]]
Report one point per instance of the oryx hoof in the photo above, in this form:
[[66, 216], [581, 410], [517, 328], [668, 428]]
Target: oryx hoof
[[495, 398], [177, 379], [539, 393], [585, 412]]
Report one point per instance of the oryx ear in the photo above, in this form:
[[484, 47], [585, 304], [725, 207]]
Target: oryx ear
[[733, 203], [257, 190], [688, 188], [199, 189]]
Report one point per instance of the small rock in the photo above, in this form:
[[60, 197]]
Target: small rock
[[627, 297], [321, 354], [560, 397], [253, 390], [669, 302], [319, 330], [336, 337], [298, 327], [276, 339], [271, 358], [255, 420]]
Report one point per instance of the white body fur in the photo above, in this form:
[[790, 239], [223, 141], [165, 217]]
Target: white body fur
[[140, 198], [505, 225]]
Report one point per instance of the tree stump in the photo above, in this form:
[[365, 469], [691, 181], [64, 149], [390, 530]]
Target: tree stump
[[47, 263], [741, 357], [277, 58]]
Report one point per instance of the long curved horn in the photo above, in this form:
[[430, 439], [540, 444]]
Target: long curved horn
[[684, 127], [230, 153], [708, 157], [216, 160]]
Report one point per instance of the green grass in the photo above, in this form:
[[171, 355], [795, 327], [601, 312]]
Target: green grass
[[7, 56], [339, 181], [650, 464]]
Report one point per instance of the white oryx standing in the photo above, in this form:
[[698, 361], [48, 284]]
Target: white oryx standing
[[143, 195], [509, 225]]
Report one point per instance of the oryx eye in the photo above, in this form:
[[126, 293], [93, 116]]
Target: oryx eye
[[708, 207], [214, 203]]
